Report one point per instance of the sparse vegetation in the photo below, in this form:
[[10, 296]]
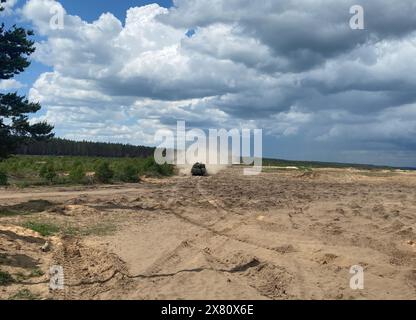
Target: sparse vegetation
[[68, 228], [3, 178], [45, 229], [100, 229], [24, 294], [5, 278], [24, 171], [379, 174], [34, 273]]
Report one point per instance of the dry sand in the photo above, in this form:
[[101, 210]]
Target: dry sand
[[285, 234]]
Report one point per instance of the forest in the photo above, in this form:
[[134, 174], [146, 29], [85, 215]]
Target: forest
[[65, 147]]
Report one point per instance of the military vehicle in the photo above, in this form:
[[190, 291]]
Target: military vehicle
[[199, 169]]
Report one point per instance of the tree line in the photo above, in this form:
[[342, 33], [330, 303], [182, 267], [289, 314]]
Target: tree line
[[64, 147]]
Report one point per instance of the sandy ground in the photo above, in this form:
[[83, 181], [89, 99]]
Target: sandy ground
[[285, 234]]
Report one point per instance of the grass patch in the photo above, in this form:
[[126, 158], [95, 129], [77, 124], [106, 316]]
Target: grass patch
[[49, 229], [100, 229], [68, 229], [6, 278], [34, 273], [45, 229], [24, 294]]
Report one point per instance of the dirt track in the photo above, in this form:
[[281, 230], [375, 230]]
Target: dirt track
[[280, 235], [64, 193]]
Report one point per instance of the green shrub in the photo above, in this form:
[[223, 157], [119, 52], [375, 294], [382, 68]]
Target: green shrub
[[36, 272], [40, 170], [48, 172], [3, 178], [77, 174], [103, 172], [151, 167], [24, 294], [5, 278], [129, 173]]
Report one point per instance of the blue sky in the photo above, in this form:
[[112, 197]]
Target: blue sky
[[90, 10], [318, 89]]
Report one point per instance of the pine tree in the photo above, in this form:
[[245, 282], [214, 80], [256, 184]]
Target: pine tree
[[15, 129], [103, 172]]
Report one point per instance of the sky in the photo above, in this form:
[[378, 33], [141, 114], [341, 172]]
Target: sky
[[121, 70]]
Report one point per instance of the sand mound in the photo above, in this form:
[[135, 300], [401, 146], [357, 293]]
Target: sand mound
[[75, 210], [88, 271], [23, 260], [271, 281]]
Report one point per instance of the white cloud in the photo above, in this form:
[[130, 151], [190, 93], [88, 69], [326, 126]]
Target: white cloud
[[291, 67], [8, 7], [10, 84]]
